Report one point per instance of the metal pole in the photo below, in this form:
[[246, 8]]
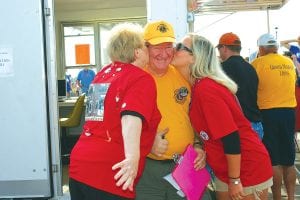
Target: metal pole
[[276, 29], [268, 19], [190, 21]]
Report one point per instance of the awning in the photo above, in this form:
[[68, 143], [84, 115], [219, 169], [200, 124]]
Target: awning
[[219, 6]]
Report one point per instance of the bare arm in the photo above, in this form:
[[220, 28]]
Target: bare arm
[[232, 149], [234, 165], [200, 160], [131, 132], [286, 43]]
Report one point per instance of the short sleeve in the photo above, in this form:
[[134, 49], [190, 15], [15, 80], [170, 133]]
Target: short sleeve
[[217, 113], [141, 97]]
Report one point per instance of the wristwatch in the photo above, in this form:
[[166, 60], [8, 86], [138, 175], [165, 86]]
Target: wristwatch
[[235, 181]]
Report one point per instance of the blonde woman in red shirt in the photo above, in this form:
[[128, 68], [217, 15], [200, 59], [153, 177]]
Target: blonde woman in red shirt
[[234, 151]]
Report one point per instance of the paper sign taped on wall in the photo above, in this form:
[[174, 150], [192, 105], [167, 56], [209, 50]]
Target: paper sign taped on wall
[[6, 61], [82, 52]]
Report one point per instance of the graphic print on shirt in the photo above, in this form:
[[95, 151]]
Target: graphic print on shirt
[[95, 101], [181, 95]]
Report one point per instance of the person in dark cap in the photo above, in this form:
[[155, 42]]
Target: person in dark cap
[[276, 100], [244, 75]]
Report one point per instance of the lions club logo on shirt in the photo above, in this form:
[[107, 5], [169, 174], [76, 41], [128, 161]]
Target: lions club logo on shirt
[[203, 135], [181, 95]]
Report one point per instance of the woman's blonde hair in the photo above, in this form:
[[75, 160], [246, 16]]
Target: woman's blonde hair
[[207, 63], [124, 39]]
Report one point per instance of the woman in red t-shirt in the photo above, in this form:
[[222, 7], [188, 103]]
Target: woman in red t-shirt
[[236, 155], [121, 122]]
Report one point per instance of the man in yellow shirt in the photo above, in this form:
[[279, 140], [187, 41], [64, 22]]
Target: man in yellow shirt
[[173, 97], [277, 102]]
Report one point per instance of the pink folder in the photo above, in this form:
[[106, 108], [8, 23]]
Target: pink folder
[[193, 183]]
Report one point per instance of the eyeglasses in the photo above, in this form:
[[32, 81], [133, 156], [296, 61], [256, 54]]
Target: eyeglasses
[[181, 46]]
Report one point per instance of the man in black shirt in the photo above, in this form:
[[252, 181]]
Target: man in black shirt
[[245, 77]]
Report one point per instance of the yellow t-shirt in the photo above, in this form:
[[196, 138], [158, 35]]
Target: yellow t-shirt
[[173, 98], [277, 79]]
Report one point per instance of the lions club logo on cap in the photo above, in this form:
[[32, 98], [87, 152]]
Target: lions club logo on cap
[[203, 135], [162, 28]]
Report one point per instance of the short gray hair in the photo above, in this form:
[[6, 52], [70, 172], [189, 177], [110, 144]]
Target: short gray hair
[[124, 39]]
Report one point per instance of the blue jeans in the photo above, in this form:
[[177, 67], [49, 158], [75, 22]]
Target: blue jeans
[[258, 128]]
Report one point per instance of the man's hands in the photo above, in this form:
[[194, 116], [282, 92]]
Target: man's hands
[[160, 145]]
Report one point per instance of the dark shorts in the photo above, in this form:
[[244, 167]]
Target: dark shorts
[[279, 131], [81, 191]]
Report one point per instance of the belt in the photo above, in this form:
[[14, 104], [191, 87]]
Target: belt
[[175, 159], [165, 161]]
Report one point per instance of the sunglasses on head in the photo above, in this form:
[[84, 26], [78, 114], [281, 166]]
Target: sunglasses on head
[[181, 46]]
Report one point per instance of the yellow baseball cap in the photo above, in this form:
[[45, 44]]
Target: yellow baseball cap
[[158, 32]]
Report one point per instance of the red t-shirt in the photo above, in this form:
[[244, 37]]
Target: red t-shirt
[[116, 88], [215, 113]]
